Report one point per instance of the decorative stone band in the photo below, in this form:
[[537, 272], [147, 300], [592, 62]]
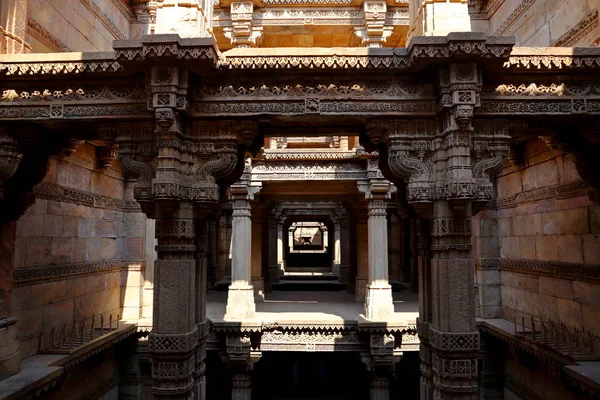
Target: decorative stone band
[[453, 342], [171, 344], [579, 31], [554, 58], [48, 273], [557, 192], [50, 191], [553, 269]]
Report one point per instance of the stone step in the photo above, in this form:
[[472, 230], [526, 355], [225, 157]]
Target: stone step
[[313, 285], [307, 276]]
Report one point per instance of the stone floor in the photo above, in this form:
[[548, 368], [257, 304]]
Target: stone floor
[[326, 307]]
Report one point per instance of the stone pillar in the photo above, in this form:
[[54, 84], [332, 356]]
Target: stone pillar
[[174, 341], [362, 255], [394, 245], [379, 362], [213, 265], [437, 17], [257, 275], [222, 246], [337, 248], [345, 248], [280, 247], [241, 360], [274, 269], [379, 304], [240, 298]]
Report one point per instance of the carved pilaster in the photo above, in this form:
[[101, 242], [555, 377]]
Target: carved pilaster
[[241, 358], [242, 33], [375, 31], [379, 362]]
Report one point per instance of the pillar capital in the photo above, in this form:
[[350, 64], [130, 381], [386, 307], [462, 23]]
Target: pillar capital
[[449, 159]]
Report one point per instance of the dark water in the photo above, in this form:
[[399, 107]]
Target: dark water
[[313, 376]]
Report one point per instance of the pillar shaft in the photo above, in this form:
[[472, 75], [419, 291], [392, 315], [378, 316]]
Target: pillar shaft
[[337, 248], [344, 249], [378, 303], [240, 300], [175, 342], [272, 243], [280, 249]]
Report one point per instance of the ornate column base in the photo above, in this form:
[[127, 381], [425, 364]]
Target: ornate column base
[[240, 302], [378, 302]]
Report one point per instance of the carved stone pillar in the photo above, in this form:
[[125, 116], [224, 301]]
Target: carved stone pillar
[[174, 338], [240, 298], [258, 282], [447, 169], [213, 265], [222, 246], [241, 359], [345, 248], [337, 247], [437, 17], [280, 247], [378, 302], [379, 362], [272, 251], [394, 247]]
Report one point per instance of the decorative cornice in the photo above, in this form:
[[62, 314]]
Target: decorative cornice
[[557, 192], [420, 48], [29, 276], [50, 191], [312, 154], [521, 8], [104, 19], [554, 58], [311, 16], [579, 31], [45, 37], [67, 64], [553, 269]]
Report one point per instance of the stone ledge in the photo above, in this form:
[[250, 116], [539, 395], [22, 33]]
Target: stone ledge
[[553, 269], [49, 273]]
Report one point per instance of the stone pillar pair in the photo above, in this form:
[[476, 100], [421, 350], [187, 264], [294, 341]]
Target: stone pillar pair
[[240, 297]]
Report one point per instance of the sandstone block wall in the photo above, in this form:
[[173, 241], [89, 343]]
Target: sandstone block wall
[[542, 23], [77, 25], [79, 249], [543, 240]]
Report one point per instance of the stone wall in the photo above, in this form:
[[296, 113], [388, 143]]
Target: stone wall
[[79, 249], [543, 22], [539, 247], [77, 25]]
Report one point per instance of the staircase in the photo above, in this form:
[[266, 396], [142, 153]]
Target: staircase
[[309, 281]]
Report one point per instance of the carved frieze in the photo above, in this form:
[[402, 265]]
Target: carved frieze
[[309, 170]]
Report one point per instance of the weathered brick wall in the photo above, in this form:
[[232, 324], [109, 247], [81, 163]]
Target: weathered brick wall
[[77, 25], [542, 241], [79, 249]]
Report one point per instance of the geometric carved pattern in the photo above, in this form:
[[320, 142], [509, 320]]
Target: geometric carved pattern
[[173, 343], [454, 342]]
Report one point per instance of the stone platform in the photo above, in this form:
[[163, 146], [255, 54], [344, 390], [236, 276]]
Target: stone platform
[[337, 308]]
